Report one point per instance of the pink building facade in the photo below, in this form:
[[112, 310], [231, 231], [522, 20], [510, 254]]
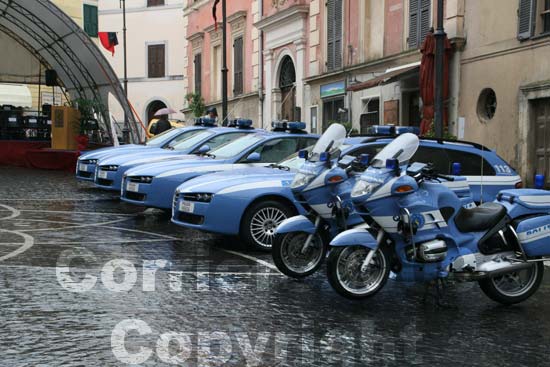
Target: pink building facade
[[318, 61]]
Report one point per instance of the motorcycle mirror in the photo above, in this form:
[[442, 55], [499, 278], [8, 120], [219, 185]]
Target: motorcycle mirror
[[303, 154], [456, 169], [393, 164], [364, 159], [539, 181], [324, 157]]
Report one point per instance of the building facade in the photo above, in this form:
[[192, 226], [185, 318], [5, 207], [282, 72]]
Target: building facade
[[504, 81], [155, 48]]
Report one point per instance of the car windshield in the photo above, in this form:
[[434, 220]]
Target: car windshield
[[160, 139], [190, 140], [402, 148], [330, 141], [236, 146]]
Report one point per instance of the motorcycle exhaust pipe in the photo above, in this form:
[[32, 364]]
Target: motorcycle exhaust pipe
[[493, 269]]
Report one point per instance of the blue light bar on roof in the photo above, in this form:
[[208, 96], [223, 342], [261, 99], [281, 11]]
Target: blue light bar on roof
[[243, 123], [278, 125], [381, 130], [407, 129], [296, 125], [207, 121]]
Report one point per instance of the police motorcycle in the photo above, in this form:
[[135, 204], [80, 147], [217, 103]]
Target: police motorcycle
[[424, 234], [323, 187], [301, 242]]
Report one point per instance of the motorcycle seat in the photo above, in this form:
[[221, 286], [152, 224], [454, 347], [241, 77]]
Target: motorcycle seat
[[481, 218]]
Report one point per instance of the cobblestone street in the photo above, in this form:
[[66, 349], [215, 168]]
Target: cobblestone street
[[86, 280]]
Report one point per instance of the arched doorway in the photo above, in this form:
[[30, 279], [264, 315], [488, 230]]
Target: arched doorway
[[153, 108], [287, 84]]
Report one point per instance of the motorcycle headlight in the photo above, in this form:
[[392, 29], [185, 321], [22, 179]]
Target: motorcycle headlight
[[301, 179], [362, 188]]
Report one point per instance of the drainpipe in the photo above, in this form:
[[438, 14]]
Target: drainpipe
[[261, 66]]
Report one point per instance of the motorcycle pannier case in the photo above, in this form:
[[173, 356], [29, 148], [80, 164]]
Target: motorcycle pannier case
[[534, 235]]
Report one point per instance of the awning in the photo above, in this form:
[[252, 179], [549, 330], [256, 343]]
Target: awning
[[388, 77], [15, 95], [36, 34]]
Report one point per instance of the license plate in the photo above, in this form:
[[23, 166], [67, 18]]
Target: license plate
[[83, 167], [187, 207], [102, 174], [132, 186]]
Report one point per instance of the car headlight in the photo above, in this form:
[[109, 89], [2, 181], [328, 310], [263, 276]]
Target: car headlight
[[301, 179], [109, 168], [200, 197], [362, 188], [146, 179]]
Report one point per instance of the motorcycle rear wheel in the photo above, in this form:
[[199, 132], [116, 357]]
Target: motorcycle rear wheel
[[515, 287], [289, 259], [345, 275]]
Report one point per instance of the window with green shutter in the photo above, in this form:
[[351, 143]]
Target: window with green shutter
[[90, 20], [334, 34], [420, 14], [238, 75]]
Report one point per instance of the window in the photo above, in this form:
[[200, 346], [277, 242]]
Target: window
[[276, 150], [486, 104], [420, 14], [220, 140], [216, 73], [238, 66], [90, 20], [371, 116], [471, 163], [156, 61], [155, 2], [546, 17], [330, 111], [334, 34], [198, 71], [533, 18]]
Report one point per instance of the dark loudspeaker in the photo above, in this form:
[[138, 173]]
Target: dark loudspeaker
[[51, 78]]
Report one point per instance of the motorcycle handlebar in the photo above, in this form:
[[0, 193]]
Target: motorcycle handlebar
[[445, 177]]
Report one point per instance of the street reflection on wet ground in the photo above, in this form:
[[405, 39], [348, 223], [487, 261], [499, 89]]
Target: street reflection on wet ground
[[86, 280]]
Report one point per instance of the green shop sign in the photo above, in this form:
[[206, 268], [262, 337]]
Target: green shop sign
[[333, 89]]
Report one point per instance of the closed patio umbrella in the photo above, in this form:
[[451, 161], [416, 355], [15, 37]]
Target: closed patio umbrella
[[427, 81]]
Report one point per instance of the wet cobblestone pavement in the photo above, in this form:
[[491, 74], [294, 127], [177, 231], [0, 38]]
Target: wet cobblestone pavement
[[182, 297]]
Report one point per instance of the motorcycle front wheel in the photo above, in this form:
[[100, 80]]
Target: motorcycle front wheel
[[345, 274], [515, 287], [295, 261]]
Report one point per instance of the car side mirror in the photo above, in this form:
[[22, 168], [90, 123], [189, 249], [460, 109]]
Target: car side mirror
[[254, 157], [204, 149]]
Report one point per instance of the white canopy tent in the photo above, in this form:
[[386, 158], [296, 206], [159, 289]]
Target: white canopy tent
[[36, 35]]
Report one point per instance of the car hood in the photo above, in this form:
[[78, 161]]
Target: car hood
[[149, 156], [175, 168], [238, 180], [104, 152]]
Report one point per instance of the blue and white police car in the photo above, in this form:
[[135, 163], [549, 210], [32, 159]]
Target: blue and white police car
[[153, 185], [260, 198], [87, 162], [110, 171]]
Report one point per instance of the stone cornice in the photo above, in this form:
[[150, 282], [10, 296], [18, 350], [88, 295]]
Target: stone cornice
[[300, 11]]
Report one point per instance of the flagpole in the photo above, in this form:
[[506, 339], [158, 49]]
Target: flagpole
[[224, 67], [126, 130]]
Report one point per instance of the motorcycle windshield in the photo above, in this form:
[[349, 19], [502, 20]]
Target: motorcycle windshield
[[330, 141], [402, 148]]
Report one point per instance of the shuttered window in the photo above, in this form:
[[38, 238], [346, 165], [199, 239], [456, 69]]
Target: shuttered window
[[526, 19], [420, 14], [198, 73], [156, 61], [238, 66], [546, 17], [334, 34], [90, 20], [155, 2]]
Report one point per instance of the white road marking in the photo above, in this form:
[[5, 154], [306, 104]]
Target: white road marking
[[27, 244], [252, 258], [85, 213], [14, 212]]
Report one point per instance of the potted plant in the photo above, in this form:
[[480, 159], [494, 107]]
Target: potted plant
[[87, 121], [195, 102]]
